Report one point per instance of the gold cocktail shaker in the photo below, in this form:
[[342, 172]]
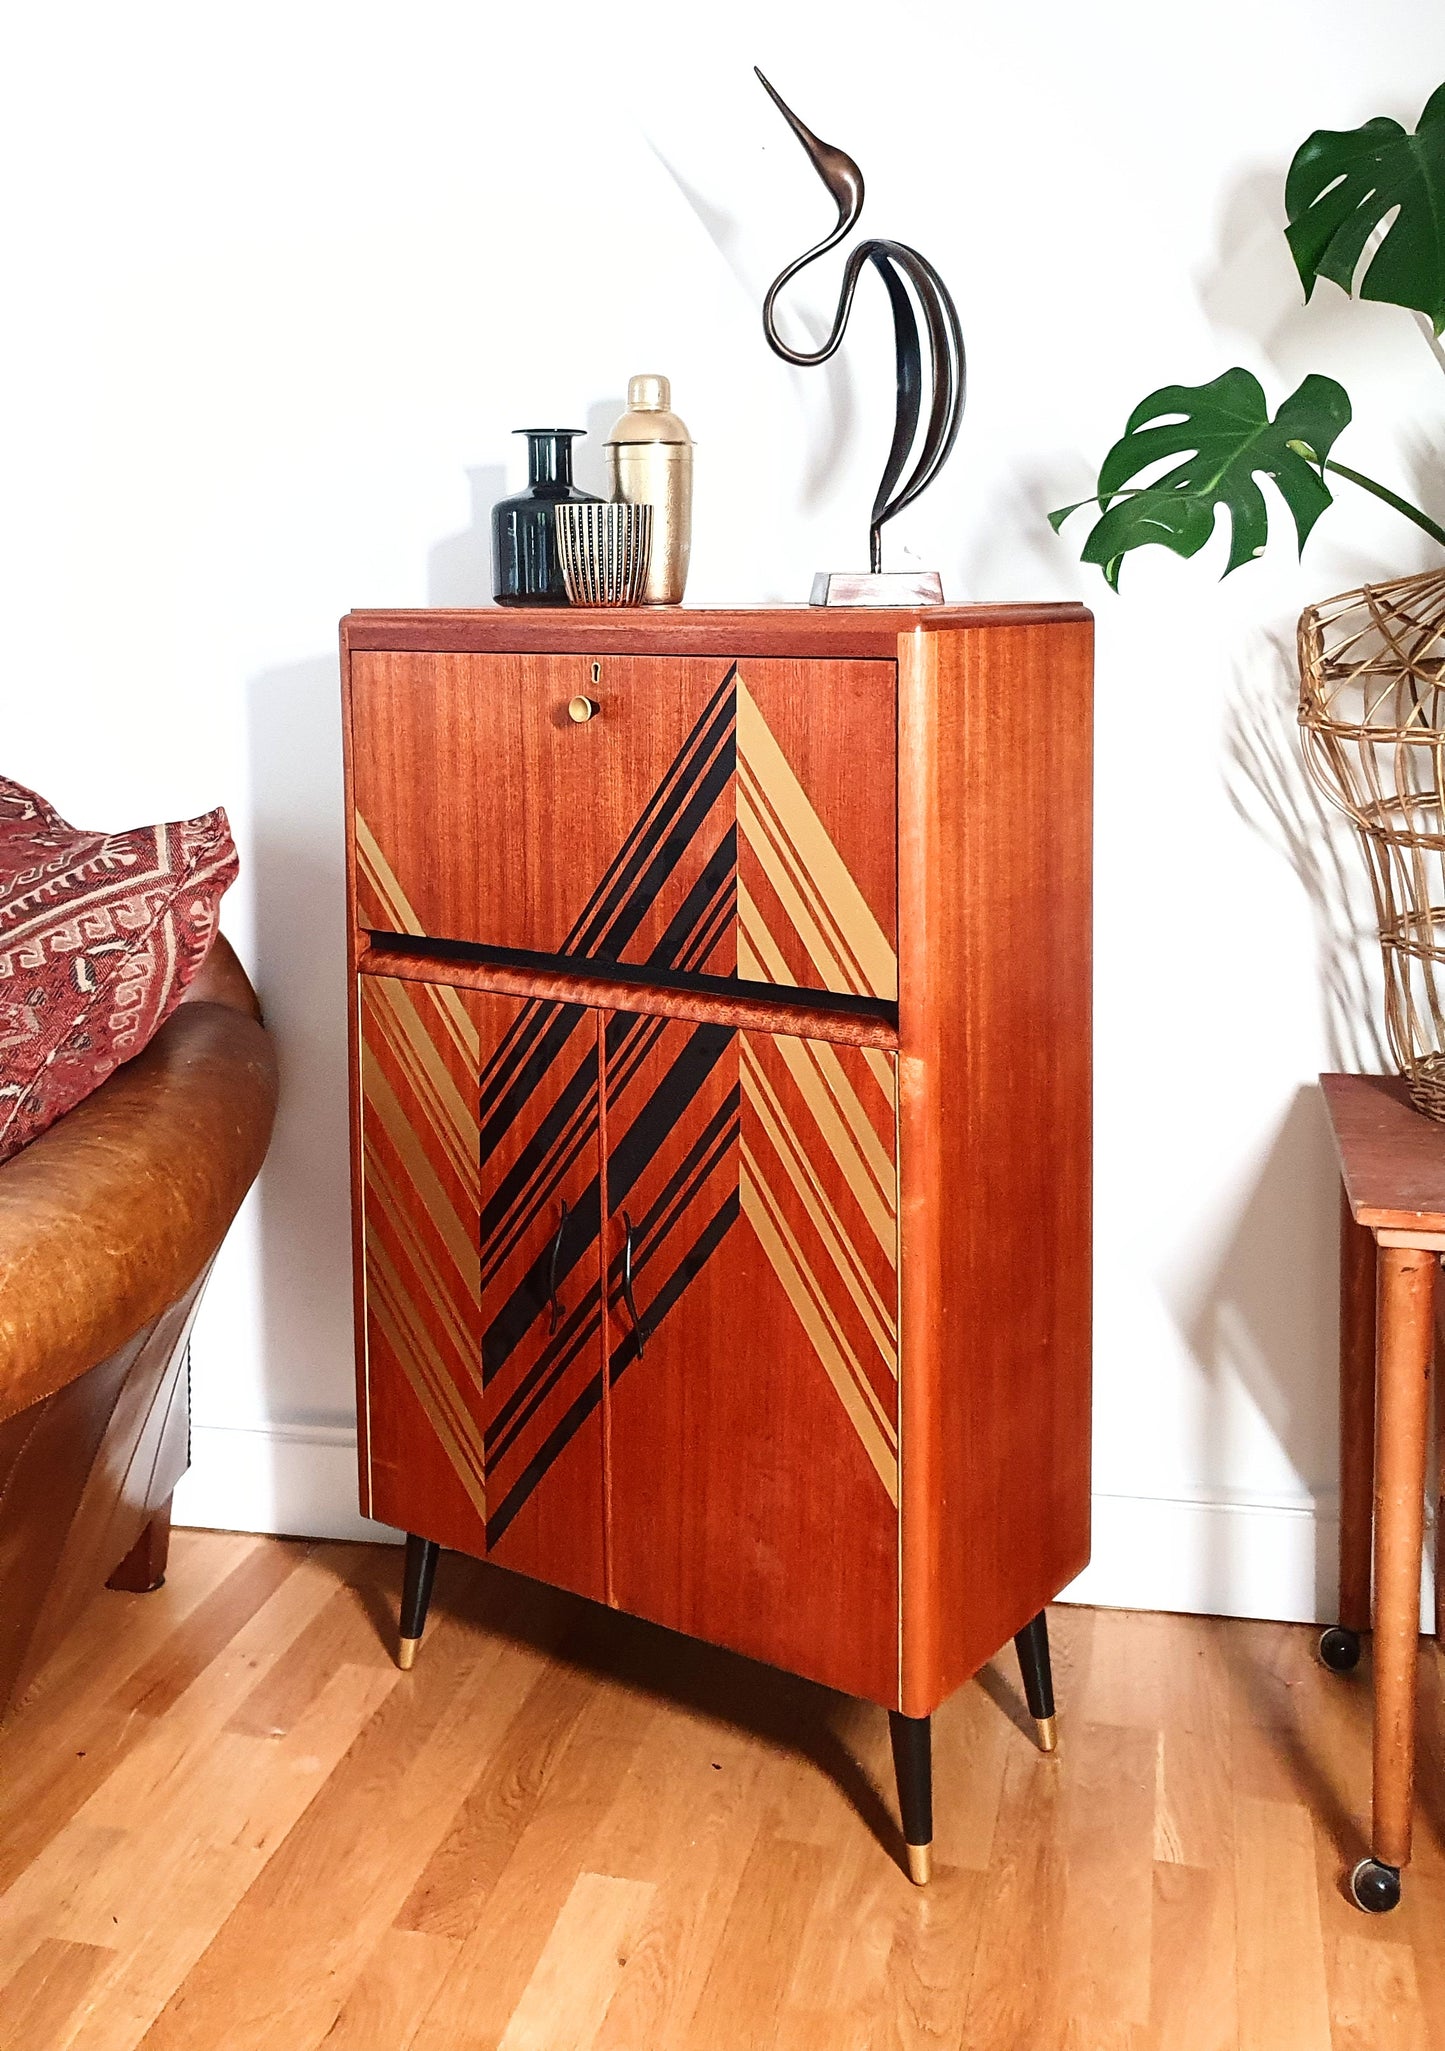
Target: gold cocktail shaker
[[649, 462]]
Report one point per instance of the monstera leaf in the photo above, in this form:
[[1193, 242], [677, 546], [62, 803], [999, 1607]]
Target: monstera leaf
[[1343, 184], [1224, 432]]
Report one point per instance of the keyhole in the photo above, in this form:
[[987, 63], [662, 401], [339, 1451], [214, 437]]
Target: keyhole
[[596, 672]]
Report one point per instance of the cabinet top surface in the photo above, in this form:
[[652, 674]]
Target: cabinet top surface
[[781, 630]]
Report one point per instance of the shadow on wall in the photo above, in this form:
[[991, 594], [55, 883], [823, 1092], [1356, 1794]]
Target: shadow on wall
[[1272, 792], [1265, 1313], [459, 569], [1259, 1316], [298, 874]]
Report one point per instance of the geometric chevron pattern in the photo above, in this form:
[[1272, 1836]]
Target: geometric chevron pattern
[[540, 1279], [819, 1187], [727, 871], [802, 920], [419, 1053], [488, 1186]]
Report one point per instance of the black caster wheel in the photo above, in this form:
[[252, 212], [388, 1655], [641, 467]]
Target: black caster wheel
[[1340, 1649], [1375, 1888]]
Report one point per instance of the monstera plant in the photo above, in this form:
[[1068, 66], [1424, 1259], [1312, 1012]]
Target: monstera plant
[[1343, 189]]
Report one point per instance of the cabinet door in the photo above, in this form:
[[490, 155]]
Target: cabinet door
[[713, 817], [752, 1193], [480, 1202], [485, 813]]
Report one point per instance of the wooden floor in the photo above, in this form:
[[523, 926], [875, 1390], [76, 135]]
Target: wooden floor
[[227, 1823]]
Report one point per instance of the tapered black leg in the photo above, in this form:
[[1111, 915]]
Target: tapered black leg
[[421, 1567], [1032, 1647], [913, 1764]]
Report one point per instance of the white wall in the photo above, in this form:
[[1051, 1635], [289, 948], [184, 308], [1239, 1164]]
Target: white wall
[[280, 279]]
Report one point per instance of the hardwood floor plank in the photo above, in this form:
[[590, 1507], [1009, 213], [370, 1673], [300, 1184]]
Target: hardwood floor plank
[[280, 1968], [232, 1825], [40, 2001], [936, 1935], [974, 1735], [465, 1867], [500, 1953], [1193, 2004], [49, 1769], [114, 1635], [1282, 2002], [350, 1630], [385, 2006], [1194, 1798], [257, 1788], [746, 1988], [584, 1958], [686, 1817], [159, 1684], [1374, 1997], [1009, 2000], [1105, 1926]]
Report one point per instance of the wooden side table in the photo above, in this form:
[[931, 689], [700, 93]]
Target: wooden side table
[[1392, 1232]]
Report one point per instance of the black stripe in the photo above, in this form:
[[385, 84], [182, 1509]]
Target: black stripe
[[660, 807], [530, 1299], [711, 1145], [628, 1156], [579, 1330], [555, 1442], [686, 1271], [571, 1099], [631, 1037], [716, 885], [548, 1033], [642, 893]]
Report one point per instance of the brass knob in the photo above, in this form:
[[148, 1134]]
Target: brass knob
[[583, 709]]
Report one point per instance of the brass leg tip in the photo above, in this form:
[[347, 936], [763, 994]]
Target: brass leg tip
[[920, 1864], [406, 1653], [1048, 1731]]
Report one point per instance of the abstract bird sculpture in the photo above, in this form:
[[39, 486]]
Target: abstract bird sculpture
[[900, 268]]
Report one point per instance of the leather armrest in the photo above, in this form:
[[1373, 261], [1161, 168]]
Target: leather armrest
[[109, 1216], [221, 980]]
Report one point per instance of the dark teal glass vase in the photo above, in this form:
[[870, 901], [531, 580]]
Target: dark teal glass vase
[[526, 567]]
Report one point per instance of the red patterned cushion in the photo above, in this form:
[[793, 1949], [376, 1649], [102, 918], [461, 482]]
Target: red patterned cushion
[[99, 935]]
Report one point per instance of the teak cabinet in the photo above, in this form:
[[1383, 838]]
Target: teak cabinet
[[721, 1123]]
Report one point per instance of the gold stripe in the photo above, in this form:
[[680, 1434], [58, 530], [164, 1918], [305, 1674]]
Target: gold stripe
[[770, 828], [823, 1324], [876, 1205], [460, 1242], [832, 973], [761, 960], [803, 1294], [823, 1303], [762, 760], [881, 1066], [438, 1098], [792, 1156], [379, 873], [469, 1475], [872, 1148], [382, 878], [382, 1191], [398, 1300]]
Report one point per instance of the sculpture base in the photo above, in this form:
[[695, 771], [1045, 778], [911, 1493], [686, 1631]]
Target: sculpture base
[[884, 587]]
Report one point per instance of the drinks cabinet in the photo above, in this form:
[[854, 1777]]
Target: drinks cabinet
[[720, 1097]]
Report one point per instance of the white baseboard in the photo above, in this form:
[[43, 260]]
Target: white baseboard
[[1267, 1557], [1206, 1555], [293, 1479]]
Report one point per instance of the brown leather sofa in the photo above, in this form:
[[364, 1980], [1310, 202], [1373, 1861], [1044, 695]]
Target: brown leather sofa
[[109, 1223]]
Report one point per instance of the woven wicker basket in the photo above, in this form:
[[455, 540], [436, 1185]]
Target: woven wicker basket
[[1372, 711]]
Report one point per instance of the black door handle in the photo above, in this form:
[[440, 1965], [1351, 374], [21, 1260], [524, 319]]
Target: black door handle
[[556, 1311], [627, 1294]]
